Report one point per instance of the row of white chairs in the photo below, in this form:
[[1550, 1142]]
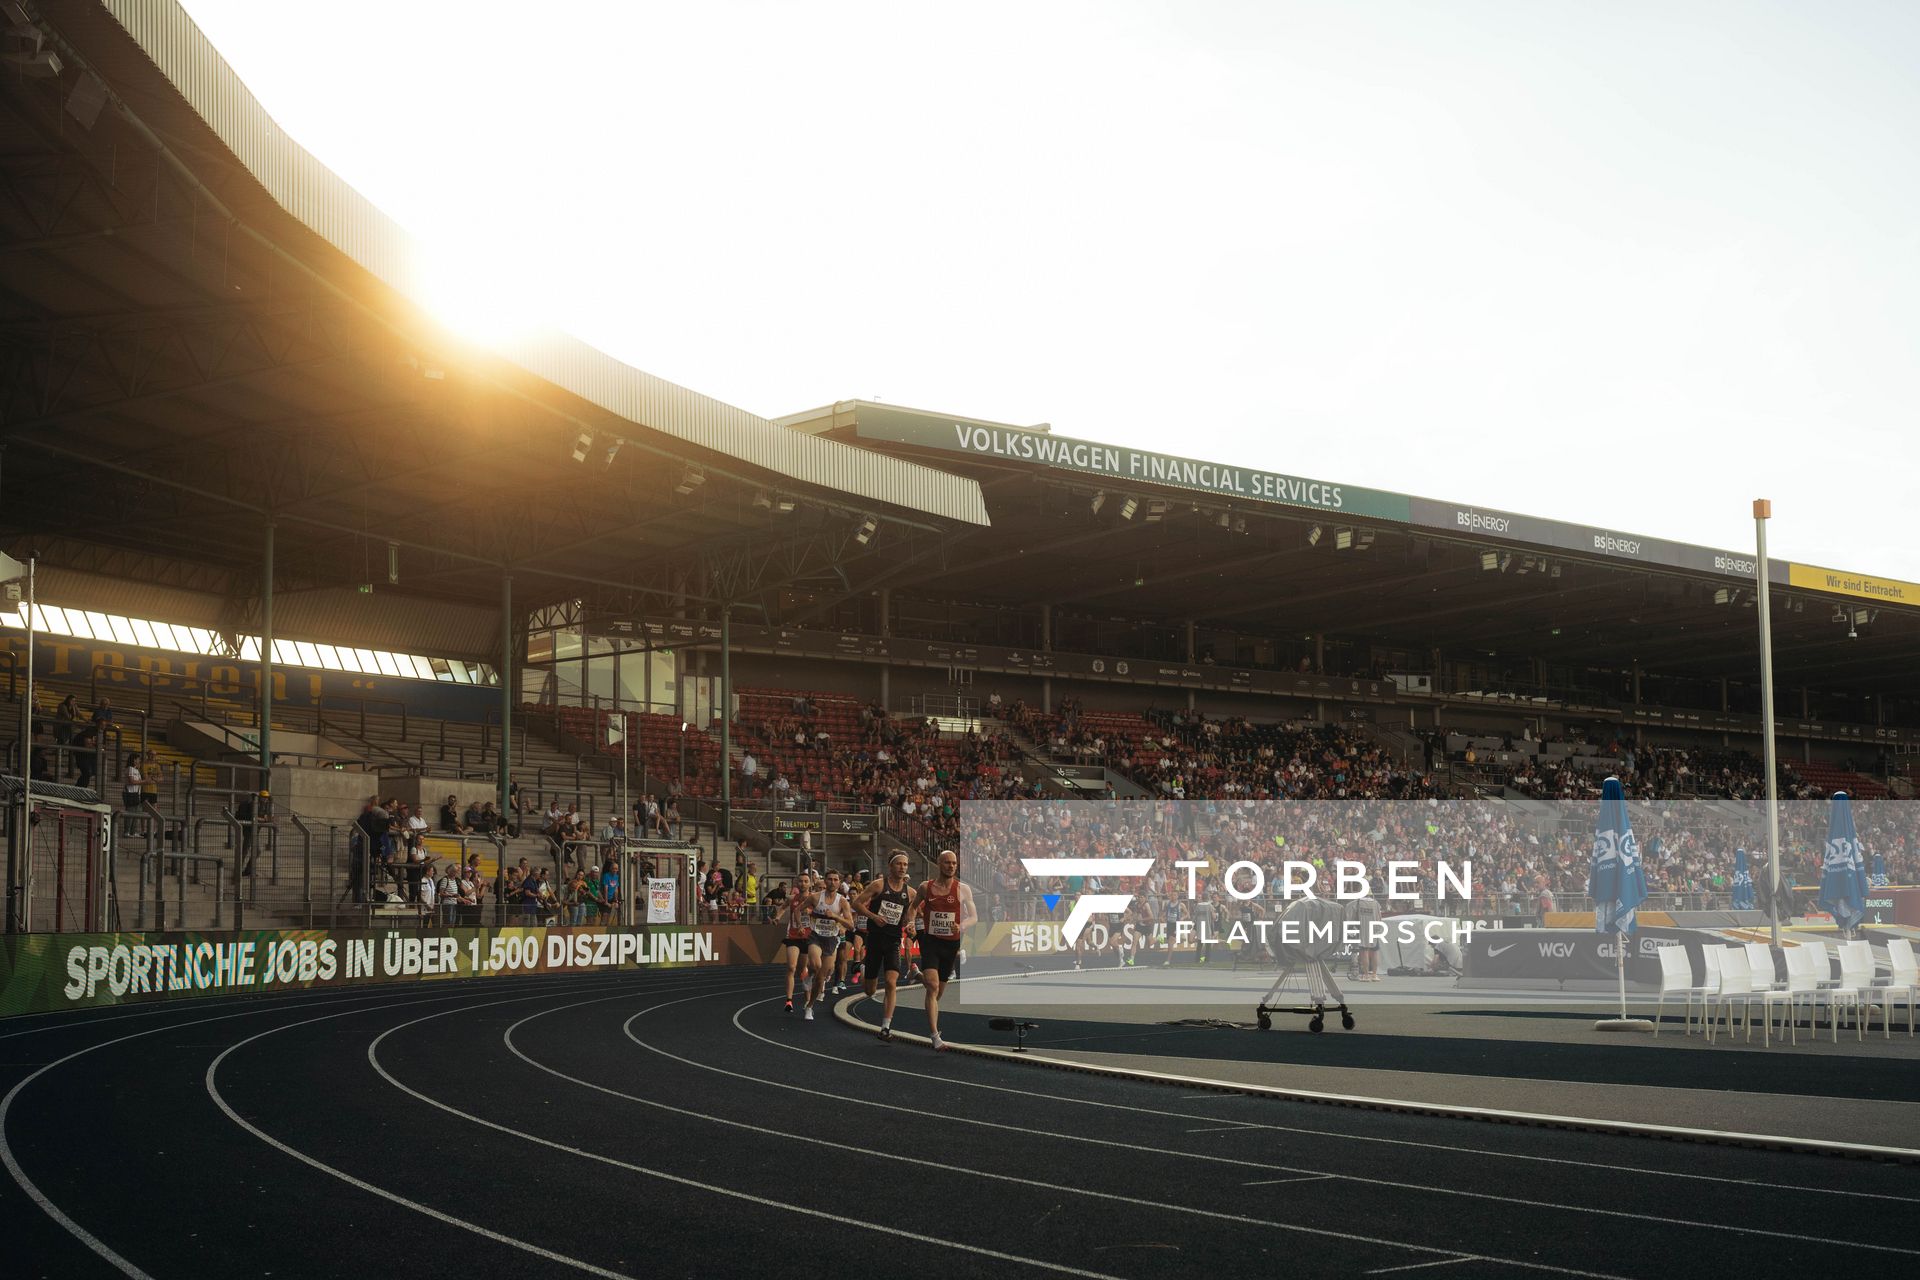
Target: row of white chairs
[[1744, 974]]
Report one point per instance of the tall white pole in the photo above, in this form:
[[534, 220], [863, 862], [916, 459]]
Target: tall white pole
[[24, 905], [1762, 512]]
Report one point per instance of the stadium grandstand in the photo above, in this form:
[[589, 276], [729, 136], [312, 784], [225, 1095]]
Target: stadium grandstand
[[339, 656], [295, 545]]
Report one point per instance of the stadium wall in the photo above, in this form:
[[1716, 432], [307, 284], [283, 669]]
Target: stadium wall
[[48, 972]]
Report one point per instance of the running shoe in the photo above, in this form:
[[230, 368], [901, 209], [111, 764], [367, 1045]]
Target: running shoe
[[809, 1013], [938, 1043], [886, 1034], [789, 1006]]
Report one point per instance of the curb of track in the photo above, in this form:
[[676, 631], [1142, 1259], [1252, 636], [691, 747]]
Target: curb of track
[[843, 1011]]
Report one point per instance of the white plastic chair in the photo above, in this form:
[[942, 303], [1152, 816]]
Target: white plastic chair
[[1676, 979], [1760, 962], [1713, 990], [1802, 984], [1902, 983], [1736, 983], [1852, 989]]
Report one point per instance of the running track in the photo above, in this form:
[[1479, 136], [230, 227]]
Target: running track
[[678, 1123]]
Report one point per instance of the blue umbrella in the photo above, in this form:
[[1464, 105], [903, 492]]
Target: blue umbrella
[[1843, 876], [1618, 885], [1878, 880], [1618, 880], [1742, 882]]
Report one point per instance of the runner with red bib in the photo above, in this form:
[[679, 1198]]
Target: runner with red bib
[[946, 908], [799, 921]]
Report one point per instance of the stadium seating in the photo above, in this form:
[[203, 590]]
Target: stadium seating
[[1829, 778]]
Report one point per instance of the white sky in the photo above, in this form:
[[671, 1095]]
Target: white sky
[[1624, 263]]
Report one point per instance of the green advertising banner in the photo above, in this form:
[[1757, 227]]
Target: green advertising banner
[[1123, 464], [42, 972]]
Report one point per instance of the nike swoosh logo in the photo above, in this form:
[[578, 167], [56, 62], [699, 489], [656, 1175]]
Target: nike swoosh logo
[[1494, 951]]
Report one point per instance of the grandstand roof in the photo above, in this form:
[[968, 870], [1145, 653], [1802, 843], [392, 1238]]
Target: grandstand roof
[[1219, 553], [202, 327]]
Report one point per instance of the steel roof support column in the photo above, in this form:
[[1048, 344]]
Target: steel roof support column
[[261, 806], [20, 830], [1192, 658], [502, 782], [726, 730], [886, 631], [1046, 646]]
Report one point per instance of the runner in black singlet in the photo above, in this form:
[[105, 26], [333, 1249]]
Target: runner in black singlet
[[886, 905]]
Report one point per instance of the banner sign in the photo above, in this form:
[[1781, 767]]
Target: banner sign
[[789, 822], [1120, 463], [41, 972], [1496, 957], [849, 824], [1883, 590], [1505, 526], [660, 894], [1079, 772]]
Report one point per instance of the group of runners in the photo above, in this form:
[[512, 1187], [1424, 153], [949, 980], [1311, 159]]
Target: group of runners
[[870, 929]]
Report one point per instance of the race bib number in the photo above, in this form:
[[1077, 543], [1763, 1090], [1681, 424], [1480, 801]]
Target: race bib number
[[890, 912], [944, 924]]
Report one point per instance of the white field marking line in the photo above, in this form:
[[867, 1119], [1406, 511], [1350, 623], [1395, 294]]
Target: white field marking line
[[1456, 1111], [1360, 1179], [1235, 1091], [1444, 1262], [213, 1091], [989, 1175], [1317, 1177], [837, 1220], [19, 1175], [1222, 1128]]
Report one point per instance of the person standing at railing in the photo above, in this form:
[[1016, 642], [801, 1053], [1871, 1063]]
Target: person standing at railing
[[66, 719], [150, 778], [130, 785], [576, 898], [449, 893]]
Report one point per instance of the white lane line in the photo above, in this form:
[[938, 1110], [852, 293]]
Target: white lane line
[[1723, 1137], [269, 1003], [989, 1175], [373, 1058], [360, 1184], [39, 1197], [1073, 1100], [1415, 1266], [1362, 1179], [1223, 1128], [1314, 1177]]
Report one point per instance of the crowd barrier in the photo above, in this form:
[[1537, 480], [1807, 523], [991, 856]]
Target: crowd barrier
[[45, 972]]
